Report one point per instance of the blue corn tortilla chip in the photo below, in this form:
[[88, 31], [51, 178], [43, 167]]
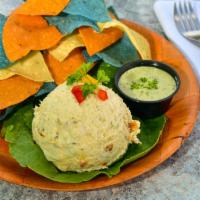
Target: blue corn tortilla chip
[[89, 58], [91, 9], [112, 10], [4, 114], [4, 62], [120, 53], [46, 88], [68, 23]]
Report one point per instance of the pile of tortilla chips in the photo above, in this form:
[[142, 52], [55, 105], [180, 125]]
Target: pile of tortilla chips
[[42, 42]]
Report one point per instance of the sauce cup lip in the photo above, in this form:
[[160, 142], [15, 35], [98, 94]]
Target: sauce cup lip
[[147, 63]]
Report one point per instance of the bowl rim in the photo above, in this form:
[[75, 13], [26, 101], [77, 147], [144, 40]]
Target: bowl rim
[[147, 63]]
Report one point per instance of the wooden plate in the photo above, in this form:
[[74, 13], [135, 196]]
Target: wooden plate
[[182, 116]]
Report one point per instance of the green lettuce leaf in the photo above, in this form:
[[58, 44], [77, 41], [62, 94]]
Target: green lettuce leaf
[[17, 131]]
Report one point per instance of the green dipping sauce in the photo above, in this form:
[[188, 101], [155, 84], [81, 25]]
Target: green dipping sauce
[[147, 83]]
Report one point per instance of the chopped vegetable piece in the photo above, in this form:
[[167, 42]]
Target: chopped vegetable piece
[[88, 88], [78, 93], [102, 94], [89, 79]]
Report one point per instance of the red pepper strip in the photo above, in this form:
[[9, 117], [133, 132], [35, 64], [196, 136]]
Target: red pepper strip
[[77, 92], [102, 94]]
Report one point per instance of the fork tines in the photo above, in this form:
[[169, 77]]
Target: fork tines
[[186, 19]]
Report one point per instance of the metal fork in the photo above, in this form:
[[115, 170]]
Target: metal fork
[[187, 21]]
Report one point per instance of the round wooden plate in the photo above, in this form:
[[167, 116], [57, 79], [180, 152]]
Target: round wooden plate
[[182, 116]]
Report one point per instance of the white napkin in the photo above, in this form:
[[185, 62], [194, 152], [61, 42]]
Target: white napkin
[[164, 10]]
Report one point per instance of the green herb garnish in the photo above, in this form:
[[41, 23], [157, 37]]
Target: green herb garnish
[[144, 83], [88, 88], [102, 77], [84, 69]]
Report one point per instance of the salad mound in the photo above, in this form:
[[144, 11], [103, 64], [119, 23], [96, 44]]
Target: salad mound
[[83, 137]]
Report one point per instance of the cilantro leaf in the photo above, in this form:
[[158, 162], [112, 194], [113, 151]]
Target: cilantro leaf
[[110, 72], [102, 77], [81, 72], [88, 88]]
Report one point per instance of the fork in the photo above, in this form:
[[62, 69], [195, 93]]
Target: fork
[[187, 21]]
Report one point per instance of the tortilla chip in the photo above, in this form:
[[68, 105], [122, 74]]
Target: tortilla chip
[[141, 43], [23, 33], [32, 67], [91, 9], [96, 42], [5, 113], [91, 59], [61, 70], [42, 7], [68, 23], [4, 74], [4, 62], [112, 12], [46, 89], [120, 53], [66, 46], [15, 90]]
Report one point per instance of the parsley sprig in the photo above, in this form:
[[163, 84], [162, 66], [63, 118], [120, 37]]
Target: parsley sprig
[[88, 88], [84, 69], [102, 77], [144, 83]]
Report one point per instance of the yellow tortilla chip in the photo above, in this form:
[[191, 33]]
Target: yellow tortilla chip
[[5, 74], [140, 43], [32, 67], [66, 46]]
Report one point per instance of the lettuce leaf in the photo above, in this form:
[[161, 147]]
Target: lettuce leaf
[[17, 131]]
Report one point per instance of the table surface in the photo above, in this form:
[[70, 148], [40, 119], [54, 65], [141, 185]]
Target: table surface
[[176, 179]]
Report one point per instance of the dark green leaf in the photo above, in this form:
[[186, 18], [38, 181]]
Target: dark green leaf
[[102, 77], [17, 131], [110, 72]]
